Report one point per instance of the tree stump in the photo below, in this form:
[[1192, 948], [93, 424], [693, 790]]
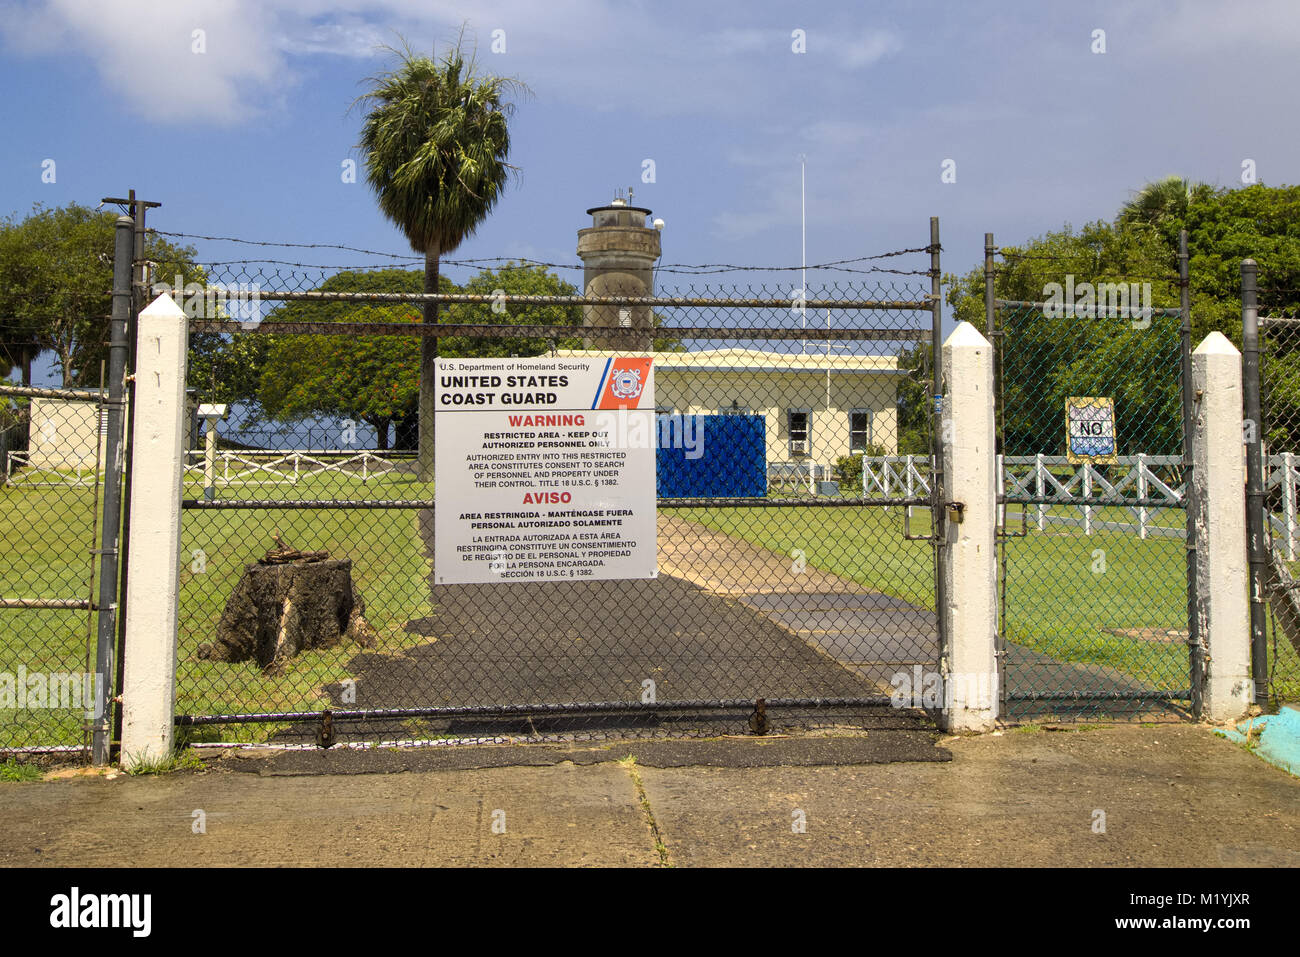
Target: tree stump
[[287, 603]]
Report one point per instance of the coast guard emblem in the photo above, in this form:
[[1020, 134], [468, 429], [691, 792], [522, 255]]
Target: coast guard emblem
[[626, 383]]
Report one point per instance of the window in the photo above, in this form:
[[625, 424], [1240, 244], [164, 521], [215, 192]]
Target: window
[[859, 430], [797, 427]]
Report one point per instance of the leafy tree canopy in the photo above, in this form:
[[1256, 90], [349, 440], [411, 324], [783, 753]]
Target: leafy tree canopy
[[56, 281]]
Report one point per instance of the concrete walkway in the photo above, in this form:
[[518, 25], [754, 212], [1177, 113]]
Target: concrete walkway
[[1171, 796], [866, 632]]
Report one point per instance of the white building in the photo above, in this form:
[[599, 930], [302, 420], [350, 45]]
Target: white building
[[816, 407]]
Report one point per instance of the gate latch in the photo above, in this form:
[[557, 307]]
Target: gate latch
[[956, 511]]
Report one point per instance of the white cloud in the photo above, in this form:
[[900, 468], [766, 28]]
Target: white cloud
[[146, 51]]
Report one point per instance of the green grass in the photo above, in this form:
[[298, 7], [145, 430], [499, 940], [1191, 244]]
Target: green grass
[[181, 759], [388, 566], [47, 555], [1059, 600], [14, 771]]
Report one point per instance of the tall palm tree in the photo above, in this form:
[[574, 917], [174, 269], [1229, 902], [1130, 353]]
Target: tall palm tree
[[1163, 203], [435, 143]]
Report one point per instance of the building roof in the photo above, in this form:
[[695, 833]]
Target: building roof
[[758, 360]]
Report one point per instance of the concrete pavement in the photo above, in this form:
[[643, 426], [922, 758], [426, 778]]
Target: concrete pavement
[[1168, 795]]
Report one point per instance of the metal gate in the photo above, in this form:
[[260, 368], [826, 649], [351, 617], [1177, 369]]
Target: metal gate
[[51, 485], [1271, 491], [817, 594], [1095, 561]]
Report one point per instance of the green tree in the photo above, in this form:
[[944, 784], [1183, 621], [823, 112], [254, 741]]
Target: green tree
[[435, 143], [1044, 360], [914, 400], [1162, 205], [513, 279], [56, 280], [371, 379]]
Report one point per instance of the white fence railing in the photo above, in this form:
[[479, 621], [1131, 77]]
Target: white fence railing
[[1053, 476], [255, 467], [22, 470], [1283, 472]]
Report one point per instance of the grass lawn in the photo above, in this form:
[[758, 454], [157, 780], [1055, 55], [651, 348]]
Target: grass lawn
[[1065, 591], [388, 566], [46, 554]]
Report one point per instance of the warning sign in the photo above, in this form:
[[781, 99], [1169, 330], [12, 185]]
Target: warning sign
[[544, 470], [1090, 430]]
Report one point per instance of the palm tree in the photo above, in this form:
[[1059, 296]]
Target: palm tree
[[435, 143], [1162, 204]]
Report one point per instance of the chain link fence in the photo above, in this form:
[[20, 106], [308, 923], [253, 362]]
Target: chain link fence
[[1279, 339], [51, 483], [779, 576], [1094, 573]]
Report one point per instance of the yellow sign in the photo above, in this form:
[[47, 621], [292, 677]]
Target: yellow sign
[[1090, 430]]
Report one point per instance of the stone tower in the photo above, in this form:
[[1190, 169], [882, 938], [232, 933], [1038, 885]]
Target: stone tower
[[618, 252]]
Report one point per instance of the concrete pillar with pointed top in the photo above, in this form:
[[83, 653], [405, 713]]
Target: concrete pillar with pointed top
[[1219, 502], [153, 580], [967, 555]]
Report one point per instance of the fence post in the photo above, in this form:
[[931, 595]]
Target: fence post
[[1040, 487], [1219, 477], [1288, 502], [1257, 533], [968, 605], [1195, 648], [1087, 494], [149, 691], [1143, 487], [106, 637]]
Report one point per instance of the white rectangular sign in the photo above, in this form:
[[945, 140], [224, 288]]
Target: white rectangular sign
[[544, 469]]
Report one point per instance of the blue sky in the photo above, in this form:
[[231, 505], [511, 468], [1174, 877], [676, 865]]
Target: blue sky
[[248, 137]]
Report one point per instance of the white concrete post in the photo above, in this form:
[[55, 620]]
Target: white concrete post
[[967, 557], [158, 433], [1143, 488], [1087, 495], [1288, 502], [1001, 467], [1039, 488], [1219, 474], [210, 460]]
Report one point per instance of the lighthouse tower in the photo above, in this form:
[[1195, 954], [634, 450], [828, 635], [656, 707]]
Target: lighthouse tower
[[618, 252]]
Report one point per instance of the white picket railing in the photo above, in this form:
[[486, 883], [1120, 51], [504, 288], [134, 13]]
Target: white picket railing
[[255, 467], [1283, 471], [1041, 476]]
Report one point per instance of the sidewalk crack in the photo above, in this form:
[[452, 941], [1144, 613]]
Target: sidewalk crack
[[629, 764]]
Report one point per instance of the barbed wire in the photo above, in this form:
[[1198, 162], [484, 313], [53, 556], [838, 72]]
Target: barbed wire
[[685, 268]]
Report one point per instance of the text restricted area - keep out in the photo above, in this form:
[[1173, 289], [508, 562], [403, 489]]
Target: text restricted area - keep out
[[544, 469]]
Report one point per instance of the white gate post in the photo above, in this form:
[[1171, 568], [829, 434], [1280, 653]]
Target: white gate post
[[1143, 488], [967, 556], [1219, 474], [1288, 502], [157, 438], [1087, 494], [1040, 489]]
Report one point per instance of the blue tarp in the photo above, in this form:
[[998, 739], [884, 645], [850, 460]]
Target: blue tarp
[[711, 456]]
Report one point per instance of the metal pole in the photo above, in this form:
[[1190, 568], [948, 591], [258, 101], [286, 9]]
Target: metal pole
[[988, 286], [938, 515], [139, 209], [107, 635], [1254, 477], [1195, 650]]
